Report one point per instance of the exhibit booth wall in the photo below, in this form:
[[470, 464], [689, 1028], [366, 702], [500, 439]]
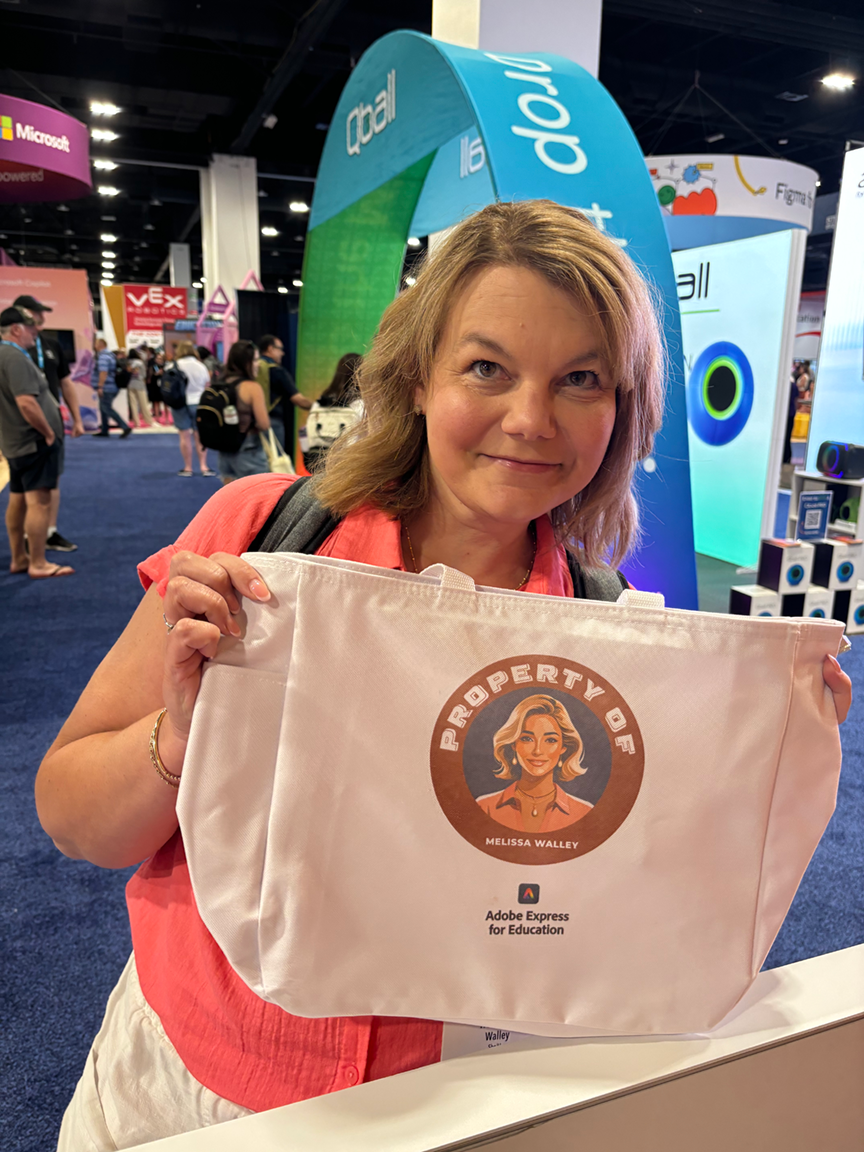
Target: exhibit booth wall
[[738, 309], [427, 133], [838, 401]]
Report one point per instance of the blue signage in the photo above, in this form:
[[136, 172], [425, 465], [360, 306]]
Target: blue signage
[[814, 512]]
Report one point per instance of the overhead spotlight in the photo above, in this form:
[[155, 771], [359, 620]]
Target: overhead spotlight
[[713, 139], [109, 219], [68, 232], [108, 265], [107, 190], [104, 165], [262, 195], [107, 238], [783, 141], [321, 127], [109, 276], [818, 183], [297, 283], [197, 284], [149, 227], [62, 207], [271, 121], [839, 81], [104, 134], [413, 242], [155, 203], [299, 239], [268, 231], [108, 255], [103, 108], [106, 283], [203, 279], [410, 281], [282, 290], [299, 206]]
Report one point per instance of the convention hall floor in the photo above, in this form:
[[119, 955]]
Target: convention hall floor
[[63, 932]]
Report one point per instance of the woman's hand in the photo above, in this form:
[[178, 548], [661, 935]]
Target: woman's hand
[[840, 685], [201, 600]]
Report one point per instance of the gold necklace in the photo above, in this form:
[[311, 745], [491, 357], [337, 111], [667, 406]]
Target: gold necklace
[[535, 799], [522, 582]]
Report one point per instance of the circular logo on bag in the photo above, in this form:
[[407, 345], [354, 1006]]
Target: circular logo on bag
[[536, 759]]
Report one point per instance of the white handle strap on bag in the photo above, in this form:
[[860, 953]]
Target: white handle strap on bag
[[449, 577], [277, 459]]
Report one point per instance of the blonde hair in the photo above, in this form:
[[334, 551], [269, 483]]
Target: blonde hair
[[386, 462], [185, 348], [504, 740]]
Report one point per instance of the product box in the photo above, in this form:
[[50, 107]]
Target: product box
[[815, 601], [786, 566], [753, 600], [849, 607], [838, 564]]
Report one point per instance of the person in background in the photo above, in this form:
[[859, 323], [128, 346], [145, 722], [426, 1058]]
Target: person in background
[[209, 361], [279, 388], [154, 393], [31, 439], [337, 409], [241, 369], [198, 377], [48, 356], [104, 368], [139, 407]]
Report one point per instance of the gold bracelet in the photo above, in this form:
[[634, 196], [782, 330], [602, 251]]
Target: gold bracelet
[[156, 759]]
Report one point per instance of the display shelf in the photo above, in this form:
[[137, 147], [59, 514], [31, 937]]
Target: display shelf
[[816, 482], [782, 1072]]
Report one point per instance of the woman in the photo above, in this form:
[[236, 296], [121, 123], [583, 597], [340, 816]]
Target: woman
[[537, 743], [155, 369], [139, 408], [198, 377], [241, 369], [337, 409], [509, 395]]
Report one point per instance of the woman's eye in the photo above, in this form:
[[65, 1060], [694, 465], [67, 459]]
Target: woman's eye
[[485, 369], [584, 380]]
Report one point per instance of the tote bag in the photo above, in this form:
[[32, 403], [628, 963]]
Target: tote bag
[[353, 801], [278, 459]]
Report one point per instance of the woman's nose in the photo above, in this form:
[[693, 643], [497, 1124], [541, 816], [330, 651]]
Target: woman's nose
[[530, 412]]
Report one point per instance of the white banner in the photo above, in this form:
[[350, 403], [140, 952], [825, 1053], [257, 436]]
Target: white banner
[[808, 330]]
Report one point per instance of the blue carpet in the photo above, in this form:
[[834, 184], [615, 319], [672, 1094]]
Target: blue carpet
[[64, 937]]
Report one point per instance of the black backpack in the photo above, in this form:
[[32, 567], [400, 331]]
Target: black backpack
[[173, 386], [300, 523], [217, 418]]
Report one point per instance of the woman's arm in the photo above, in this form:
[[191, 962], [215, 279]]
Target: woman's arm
[[254, 395], [97, 794]]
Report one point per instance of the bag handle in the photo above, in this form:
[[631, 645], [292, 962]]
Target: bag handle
[[449, 577], [631, 598]]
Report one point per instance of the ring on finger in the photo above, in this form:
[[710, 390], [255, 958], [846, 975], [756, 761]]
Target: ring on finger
[[168, 625]]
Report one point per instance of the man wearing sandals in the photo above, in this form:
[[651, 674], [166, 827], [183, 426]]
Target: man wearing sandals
[[31, 439]]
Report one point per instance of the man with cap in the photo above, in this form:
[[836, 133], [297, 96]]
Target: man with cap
[[31, 439], [47, 355]]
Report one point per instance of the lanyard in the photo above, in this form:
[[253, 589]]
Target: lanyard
[[24, 351], [39, 355]]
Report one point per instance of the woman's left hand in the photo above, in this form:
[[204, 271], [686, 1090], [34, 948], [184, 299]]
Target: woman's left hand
[[840, 685]]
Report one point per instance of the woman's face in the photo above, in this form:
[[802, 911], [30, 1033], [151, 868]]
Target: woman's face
[[539, 745], [520, 405]]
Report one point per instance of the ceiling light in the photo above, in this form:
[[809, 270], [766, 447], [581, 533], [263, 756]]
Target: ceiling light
[[109, 219], [282, 289], [413, 242], [106, 283], [791, 97], [203, 279], [149, 227], [410, 281], [155, 203], [783, 141], [268, 231], [109, 255], [107, 190], [108, 265], [818, 183], [271, 121], [297, 283], [68, 232], [197, 284], [103, 108], [716, 136], [62, 207], [104, 134], [104, 165], [109, 276], [262, 195], [107, 238], [299, 206], [839, 81]]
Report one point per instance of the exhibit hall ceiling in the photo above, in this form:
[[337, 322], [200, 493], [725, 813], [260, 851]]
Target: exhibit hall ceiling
[[192, 78]]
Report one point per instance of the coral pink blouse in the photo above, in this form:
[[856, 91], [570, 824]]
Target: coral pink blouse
[[237, 1045]]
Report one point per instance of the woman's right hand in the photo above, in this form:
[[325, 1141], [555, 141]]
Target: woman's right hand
[[201, 599]]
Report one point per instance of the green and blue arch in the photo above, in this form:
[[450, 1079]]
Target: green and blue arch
[[426, 133]]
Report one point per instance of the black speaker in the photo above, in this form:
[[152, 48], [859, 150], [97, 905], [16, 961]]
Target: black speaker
[[841, 461]]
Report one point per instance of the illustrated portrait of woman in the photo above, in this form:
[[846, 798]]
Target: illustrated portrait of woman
[[537, 747]]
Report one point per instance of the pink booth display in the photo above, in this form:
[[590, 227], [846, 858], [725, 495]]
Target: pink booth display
[[219, 338], [44, 154]]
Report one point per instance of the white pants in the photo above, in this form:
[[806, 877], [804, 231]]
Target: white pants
[[135, 1088]]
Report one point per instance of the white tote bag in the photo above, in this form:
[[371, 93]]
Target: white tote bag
[[278, 459], [405, 796]]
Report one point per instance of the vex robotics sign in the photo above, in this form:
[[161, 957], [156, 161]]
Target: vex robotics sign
[[148, 307]]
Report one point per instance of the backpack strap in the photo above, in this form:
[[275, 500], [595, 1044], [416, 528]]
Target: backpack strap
[[595, 583], [298, 522]]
